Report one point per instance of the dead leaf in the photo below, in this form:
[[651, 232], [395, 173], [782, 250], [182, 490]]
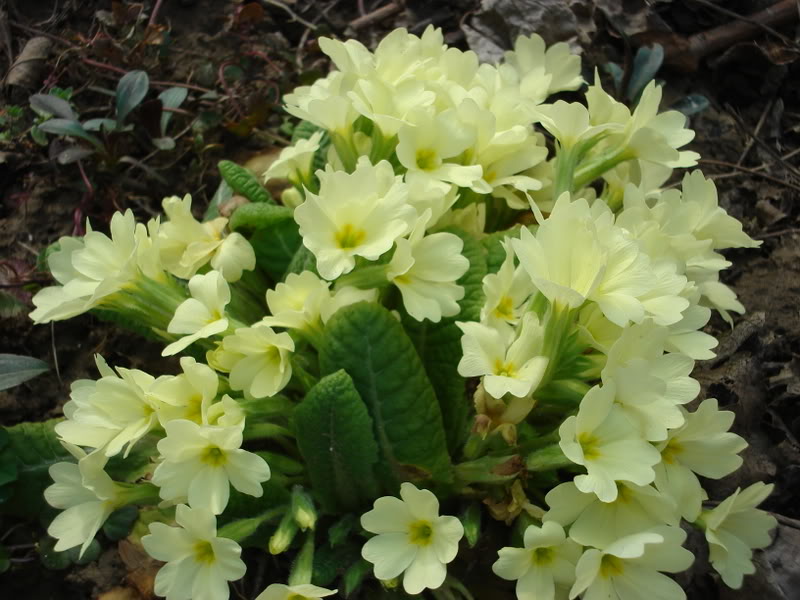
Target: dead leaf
[[777, 575], [141, 568], [120, 593], [26, 72]]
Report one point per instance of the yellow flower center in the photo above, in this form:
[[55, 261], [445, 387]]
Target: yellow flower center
[[426, 159], [508, 369], [294, 596], [420, 533], [611, 566], [671, 451], [505, 308], [194, 408], [589, 445], [214, 456], [349, 237], [204, 552], [624, 494], [542, 556], [490, 176]]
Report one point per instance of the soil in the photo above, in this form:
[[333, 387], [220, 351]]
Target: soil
[[752, 91]]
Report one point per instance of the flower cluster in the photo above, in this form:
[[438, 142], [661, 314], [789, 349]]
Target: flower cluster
[[320, 341]]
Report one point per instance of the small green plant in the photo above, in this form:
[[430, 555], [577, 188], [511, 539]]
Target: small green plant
[[11, 122], [100, 137]]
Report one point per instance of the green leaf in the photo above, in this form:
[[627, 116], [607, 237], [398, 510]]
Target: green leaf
[[439, 345], [646, 64], [329, 562], [33, 447], [131, 90], [471, 520], [354, 576], [495, 254], [338, 532], [244, 506], [170, 98], [244, 182], [15, 369], [73, 154], [276, 246], [70, 128], [5, 559], [61, 560], [303, 260], [691, 104], [472, 280], [100, 125], [138, 462], [368, 342], [52, 105], [120, 522], [334, 434], [258, 215]]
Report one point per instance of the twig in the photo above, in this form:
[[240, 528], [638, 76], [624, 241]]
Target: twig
[[154, 14], [376, 15], [793, 170], [291, 13], [763, 236], [756, 131], [55, 353], [754, 20], [755, 172]]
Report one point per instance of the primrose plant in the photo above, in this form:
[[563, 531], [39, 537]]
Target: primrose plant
[[476, 324]]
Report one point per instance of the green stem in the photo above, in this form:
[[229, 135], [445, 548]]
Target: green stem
[[243, 528], [303, 566], [595, 167], [137, 493], [548, 458], [566, 160], [365, 278], [345, 150], [260, 431]]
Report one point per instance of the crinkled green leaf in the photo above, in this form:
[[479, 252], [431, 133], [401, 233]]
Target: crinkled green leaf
[[472, 280], [495, 254], [303, 260], [368, 342], [439, 345], [120, 522], [334, 434], [276, 246], [258, 215], [33, 447], [244, 182]]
